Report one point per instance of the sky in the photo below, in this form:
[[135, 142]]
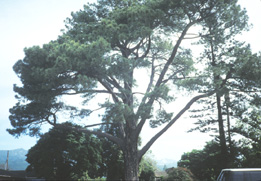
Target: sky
[[25, 23]]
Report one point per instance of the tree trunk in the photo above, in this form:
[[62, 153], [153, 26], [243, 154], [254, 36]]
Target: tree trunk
[[228, 122], [222, 136], [131, 161]]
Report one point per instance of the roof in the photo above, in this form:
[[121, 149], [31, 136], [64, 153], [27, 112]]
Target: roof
[[10, 175], [160, 174], [241, 169], [21, 174]]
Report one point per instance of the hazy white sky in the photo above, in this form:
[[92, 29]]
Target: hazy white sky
[[24, 23]]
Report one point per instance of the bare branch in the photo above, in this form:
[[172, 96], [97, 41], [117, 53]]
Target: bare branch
[[98, 124], [172, 76], [245, 91], [86, 91], [187, 38]]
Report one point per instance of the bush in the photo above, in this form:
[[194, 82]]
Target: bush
[[179, 174]]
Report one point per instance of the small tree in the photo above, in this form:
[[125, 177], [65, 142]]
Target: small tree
[[234, 101], [250, 145], [204, 164], [65, 154], [179, 174], [147, 168], [232, 64]]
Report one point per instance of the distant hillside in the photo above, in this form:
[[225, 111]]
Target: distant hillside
[[16, 159], [166, 163]]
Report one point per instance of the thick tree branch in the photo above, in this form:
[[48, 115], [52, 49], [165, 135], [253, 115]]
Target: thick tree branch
[[189, 104], [164, 71], [53, 114], [148, 49], [86, 91], [98, 124], [114, 97], [137, 46], [114, 82], [173, 54], [144, 99]]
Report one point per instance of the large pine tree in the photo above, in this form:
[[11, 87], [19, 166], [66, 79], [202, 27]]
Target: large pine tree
[[106, 49]]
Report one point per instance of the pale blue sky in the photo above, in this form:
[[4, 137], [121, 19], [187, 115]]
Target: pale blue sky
[[24, 23]]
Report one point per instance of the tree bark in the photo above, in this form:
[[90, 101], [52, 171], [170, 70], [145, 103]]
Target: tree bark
[[227, 101], [222, 136], [131, 159], [217, 78]]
